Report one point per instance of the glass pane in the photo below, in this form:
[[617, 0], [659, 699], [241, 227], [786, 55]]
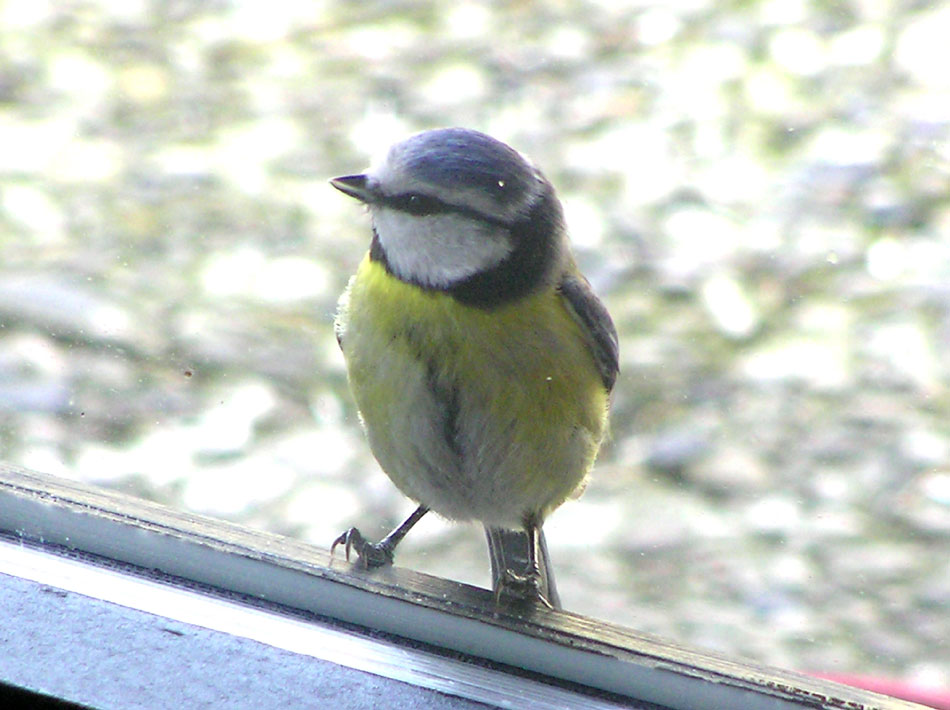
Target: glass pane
[[757, 190]]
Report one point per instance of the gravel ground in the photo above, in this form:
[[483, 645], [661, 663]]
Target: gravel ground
[[759, 190]]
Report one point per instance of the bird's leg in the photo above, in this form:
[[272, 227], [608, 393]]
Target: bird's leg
[[529, 585], [377, 554], [522, 550]]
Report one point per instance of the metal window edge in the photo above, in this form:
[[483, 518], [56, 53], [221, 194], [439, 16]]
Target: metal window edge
[[457, 618]]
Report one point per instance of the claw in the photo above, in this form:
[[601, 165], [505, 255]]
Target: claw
[[346, 539], [521, 589], [370, 555], [377, 554]]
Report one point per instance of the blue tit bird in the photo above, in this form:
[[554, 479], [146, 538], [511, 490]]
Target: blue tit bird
[[480, 359]]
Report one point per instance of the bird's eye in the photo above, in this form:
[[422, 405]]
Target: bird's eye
[[419, 205]]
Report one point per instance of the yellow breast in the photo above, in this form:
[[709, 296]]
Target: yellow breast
[[480, 414]]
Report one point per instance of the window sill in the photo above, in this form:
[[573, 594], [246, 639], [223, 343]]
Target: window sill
[[204, 601]]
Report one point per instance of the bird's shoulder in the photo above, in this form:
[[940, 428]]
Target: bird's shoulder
[[599, 329]]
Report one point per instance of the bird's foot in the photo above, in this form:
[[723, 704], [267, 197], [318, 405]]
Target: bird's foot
[[369, 554], [519, 589]]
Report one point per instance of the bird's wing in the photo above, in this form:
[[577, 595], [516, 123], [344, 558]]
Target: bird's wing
[[598, 326]]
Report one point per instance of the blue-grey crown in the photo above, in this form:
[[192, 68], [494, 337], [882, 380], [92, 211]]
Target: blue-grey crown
[[462, 159]]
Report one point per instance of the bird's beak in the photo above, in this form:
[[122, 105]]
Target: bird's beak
[[356, 186]]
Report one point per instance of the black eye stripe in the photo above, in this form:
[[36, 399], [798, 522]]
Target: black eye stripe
[[420, 205], [414, 203]]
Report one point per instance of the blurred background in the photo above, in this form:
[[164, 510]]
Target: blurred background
[[760, 191]]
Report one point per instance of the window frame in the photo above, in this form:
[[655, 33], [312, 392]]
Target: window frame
[[199, 555]]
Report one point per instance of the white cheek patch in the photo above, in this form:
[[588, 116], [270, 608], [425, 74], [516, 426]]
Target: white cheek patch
[[441, 249]]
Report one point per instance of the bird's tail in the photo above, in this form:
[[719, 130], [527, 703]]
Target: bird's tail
[[508, 550]]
